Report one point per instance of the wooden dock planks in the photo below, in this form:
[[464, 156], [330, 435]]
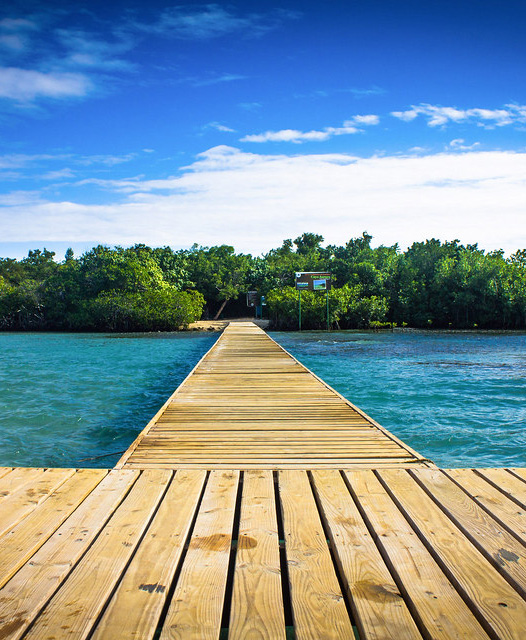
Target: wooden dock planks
[[249, 404], [390, 554]]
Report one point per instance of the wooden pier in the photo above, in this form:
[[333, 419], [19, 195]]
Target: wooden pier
[[307, 543], [249, 404]]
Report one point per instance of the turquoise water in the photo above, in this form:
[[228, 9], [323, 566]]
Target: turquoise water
[[457, 398], [65, 397]]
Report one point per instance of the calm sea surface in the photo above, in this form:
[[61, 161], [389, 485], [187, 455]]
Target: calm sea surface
[[457, 398]]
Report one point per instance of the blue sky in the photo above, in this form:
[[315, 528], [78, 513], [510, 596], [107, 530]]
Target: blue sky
[[250, 122]]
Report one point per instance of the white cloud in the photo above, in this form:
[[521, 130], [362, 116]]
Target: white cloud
[[488, 118], [366, 120], [296, 136], [60, 174], [290, 135], [459, 144], [26, 85], [406, 116], [218, 127], [254, 201]]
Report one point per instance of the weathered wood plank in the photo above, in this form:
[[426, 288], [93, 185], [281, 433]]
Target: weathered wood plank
[[494, 600], [72, 612], [521, 472], [508, 513], [508, 483], [23, 540], [136, 606], [4, 471], [318, 606], [16, 480], [197, 604], [31, 587], [27, 497], [257, 600], [377, 604], [487, 534], [432, 598]]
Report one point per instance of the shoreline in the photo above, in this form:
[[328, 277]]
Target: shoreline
[[219, 325]]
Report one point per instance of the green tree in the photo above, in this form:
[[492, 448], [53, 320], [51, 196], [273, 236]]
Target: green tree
[[219, 273]]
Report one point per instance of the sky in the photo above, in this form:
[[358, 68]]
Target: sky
[[246, 123]]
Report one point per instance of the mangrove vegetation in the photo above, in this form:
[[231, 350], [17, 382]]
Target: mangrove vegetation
[[433, 284]]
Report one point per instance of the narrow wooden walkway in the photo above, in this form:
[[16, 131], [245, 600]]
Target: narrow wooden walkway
[[258, 554], [250, 404]]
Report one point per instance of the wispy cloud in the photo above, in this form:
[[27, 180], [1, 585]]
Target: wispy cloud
[[26, 164], [86, 50], [294, 135], [363, 93], [438, 116], [250, 106], [25, 85], [218, 79], [213, 21], [14, 34], [106, 160], [328, 92], [218, 127], [46, 56], [21, 160], [49, 62], [61, 174]]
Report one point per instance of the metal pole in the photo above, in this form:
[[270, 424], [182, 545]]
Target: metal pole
[[299, 291], [328, 325]]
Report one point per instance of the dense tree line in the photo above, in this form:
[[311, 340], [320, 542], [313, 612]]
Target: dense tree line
[[432, 284]]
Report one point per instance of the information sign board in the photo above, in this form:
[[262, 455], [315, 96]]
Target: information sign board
[[313, 281]]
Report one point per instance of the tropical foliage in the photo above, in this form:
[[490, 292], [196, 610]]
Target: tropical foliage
[[432, 284]]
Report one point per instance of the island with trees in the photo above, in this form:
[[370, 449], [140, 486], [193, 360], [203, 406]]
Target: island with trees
[[432, 284]]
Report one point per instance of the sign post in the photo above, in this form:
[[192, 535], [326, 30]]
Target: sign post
[[313, 281], [257, 302]]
